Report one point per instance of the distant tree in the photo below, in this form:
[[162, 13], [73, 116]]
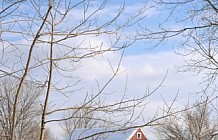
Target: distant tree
[[34, 132], [197, 123], [80, 119], [27, 113], [28, 118]]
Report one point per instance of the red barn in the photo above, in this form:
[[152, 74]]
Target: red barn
[[130, 134], [137, 135]]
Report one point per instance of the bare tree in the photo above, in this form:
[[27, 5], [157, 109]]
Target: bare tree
[[194, 23], [47, 42], [80, 119], [193, 31], [198, 123], [35, 132], [29, 109]]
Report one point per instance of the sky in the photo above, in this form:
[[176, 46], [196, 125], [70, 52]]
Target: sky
[[141, 67], [144, 67]]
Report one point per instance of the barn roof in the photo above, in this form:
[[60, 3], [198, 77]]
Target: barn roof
[[117, 135]]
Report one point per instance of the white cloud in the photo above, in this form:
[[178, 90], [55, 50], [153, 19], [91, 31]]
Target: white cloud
[[142, 71]]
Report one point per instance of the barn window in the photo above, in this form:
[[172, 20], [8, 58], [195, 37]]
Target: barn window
[[139, 135]]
